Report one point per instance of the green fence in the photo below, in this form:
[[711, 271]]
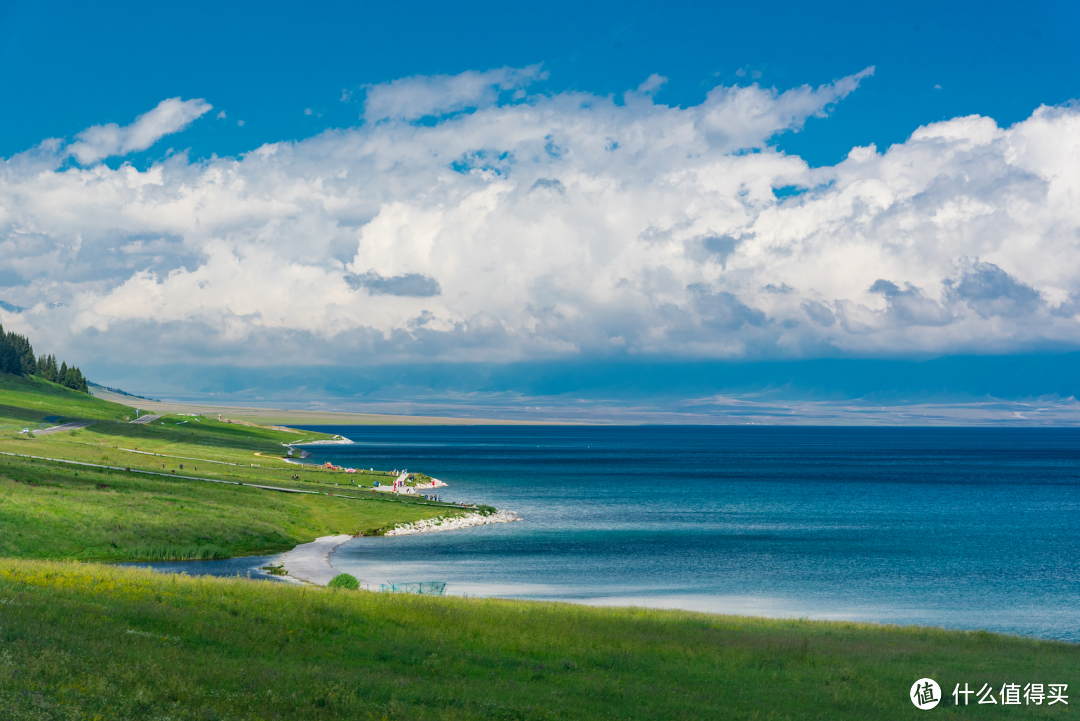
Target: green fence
[[428, 588]]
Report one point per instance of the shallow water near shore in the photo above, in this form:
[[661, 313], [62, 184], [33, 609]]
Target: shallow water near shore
[[244, 566], [963, 528]]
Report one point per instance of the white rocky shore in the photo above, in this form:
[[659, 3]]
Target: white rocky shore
[[452, 524], [338, 441]]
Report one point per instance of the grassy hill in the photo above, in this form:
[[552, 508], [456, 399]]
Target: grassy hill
[[134, 507], [29, 399]]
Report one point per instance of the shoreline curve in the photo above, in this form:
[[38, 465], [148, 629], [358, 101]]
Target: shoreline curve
[[310, 562]]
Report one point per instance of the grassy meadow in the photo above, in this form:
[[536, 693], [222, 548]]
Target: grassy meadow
[[32, 400], [59, 510], [91, 514], [86, 641]]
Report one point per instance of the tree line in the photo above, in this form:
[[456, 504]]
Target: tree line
[[17, 357]]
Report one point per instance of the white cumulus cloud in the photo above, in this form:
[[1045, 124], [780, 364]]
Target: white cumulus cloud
[[170, 116], [415, 97], [556, 226]]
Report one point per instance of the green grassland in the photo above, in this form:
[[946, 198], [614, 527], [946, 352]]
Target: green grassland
[[84, 641], [138, 509], [51, 511], [31, 400]]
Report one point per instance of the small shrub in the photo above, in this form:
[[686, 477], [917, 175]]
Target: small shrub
[[344, 580]]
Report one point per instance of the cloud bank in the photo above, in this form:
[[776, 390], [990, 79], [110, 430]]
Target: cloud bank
[[466, 220]]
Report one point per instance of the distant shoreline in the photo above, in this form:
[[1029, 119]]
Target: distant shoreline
[[282, 416], [728, 411]]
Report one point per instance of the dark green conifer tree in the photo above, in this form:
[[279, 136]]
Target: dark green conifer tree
[[16, 354], [17, 358]]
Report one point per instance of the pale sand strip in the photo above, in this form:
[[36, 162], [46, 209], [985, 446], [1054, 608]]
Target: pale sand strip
[[310, 562]]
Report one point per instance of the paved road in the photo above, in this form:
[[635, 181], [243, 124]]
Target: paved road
[[65, 427], [145, 419]]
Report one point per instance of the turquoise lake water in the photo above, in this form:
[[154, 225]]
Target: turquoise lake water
[[963, 528]]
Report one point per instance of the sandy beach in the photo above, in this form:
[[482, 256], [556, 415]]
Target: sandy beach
[[310, 562]]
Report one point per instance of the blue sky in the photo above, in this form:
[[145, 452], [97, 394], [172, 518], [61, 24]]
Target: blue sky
[[266, 63], [351, 187]]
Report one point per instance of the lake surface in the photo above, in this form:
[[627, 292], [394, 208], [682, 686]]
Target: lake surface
[[964, 528], [244, 566]]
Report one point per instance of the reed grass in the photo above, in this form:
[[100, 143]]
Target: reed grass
[[177, 553]]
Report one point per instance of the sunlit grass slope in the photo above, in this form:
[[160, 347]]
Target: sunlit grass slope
[[31, 400], [63, 510], [53, 511], [87, 641]]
